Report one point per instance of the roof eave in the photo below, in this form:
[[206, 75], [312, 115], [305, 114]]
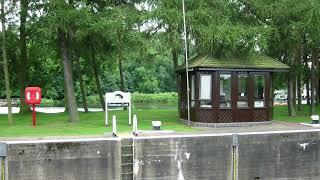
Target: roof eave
[[244, 69]]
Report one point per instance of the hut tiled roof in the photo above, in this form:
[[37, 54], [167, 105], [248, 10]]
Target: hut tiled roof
[[255, 61]]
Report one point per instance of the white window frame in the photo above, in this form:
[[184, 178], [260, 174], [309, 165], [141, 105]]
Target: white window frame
[[210, 90], [193, 93], [259, 103], [220, 88]]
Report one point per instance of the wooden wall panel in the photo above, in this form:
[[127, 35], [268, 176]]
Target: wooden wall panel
[[260, 115], [225, 116], [207, 116], [183, 87]]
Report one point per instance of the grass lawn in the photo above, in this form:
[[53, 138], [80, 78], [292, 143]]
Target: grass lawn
[[93, 123], [281, 113]]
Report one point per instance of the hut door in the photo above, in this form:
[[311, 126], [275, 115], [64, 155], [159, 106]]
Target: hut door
[[243, 96], [225, 94]]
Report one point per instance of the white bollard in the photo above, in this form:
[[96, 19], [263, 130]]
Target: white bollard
[[156, 125], [315, 119], [135, 125], [114, 126], [129, 114]]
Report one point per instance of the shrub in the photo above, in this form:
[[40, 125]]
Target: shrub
[[94, 101], [154, 98]]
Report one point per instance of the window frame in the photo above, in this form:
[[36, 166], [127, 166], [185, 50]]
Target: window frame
[[211, 91], [254, 88], [225, 73], [192, 90], [247, 90]]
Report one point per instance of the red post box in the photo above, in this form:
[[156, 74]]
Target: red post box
[[33, 97]]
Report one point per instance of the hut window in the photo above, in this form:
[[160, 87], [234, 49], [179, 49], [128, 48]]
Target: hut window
[[242, 91], [192, 91], [259, 85], [205, 90], [225, 90]]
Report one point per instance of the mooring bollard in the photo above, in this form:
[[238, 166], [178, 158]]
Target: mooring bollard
[[114, 126], [3, 154], [315, 119], [156, 125], [135, 125]]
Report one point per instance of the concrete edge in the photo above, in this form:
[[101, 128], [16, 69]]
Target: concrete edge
[[227, 134], [58, 140], [310, 125], [153, 137]]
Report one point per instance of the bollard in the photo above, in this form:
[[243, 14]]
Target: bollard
[[2, 168], [3, 149], [114, 126], [135, 125], [3, 154], [315, 119], [156, 125]]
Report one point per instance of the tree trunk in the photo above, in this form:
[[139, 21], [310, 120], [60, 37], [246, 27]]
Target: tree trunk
[[299, 91], [5, 65], [66, 107], [23, 64], [291, 109], [299, 61], [119, 56], [175, 58], [308, 92], [177, 76], [294, 90], [83, 92], [307, 79], [316, 68], [96, 77], [313, 82], [318, 91], [122, 87], [67, 70]]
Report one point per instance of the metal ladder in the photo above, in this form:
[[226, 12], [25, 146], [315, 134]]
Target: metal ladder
[[127, 159]]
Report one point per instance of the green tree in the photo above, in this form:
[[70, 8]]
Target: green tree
[[5, 63], [23, 63], [63, 15]]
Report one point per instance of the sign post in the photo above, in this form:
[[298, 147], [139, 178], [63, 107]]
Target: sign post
[[33, 97], [118, 99]]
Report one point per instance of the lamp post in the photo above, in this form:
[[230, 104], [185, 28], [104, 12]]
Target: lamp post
[[186, 59]]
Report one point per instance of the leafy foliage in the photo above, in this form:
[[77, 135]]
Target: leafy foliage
[[139, 42]]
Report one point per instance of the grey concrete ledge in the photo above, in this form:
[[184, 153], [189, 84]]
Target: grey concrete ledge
[[311, 125], [219, 125]]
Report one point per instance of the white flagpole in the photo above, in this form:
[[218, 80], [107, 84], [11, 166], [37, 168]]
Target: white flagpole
[[186, 59]]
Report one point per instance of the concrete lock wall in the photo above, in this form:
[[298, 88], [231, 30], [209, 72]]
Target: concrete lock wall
[[280, 156], [268, 156], [271, 156], [83, 160], [183, 158]]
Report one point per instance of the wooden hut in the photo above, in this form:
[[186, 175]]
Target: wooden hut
[[230, 90]]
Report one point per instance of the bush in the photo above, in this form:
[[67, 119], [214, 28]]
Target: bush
[[94, 101], [51, 103], [154, 98]]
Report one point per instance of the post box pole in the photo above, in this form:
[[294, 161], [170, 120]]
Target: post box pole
[[33, 115]]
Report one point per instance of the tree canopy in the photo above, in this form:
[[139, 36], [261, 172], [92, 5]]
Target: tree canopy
[[77, 48]]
